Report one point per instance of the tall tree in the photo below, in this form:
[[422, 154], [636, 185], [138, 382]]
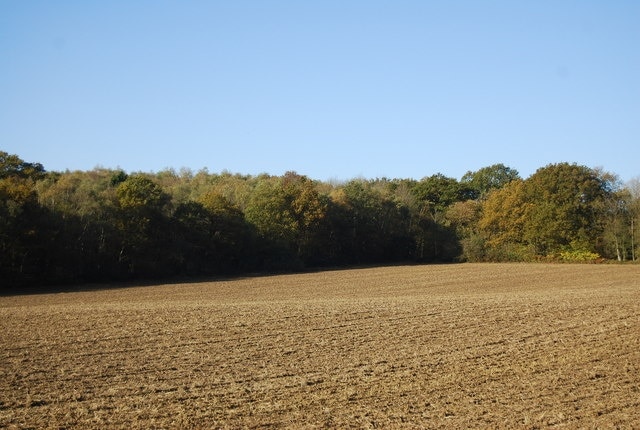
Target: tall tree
[[437, 192], [632, 188], [287, 213], [560, 207], [569, 200], [369, 224], [142, 209], [355, 224], [489, 178], [617, 235], [505, 213], [434, 195], [12, 166], [308, 209], [463, 217], [22, 252], [230, 235]]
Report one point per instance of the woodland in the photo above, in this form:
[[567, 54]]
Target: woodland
[[105, 225]]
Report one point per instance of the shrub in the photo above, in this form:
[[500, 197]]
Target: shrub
[[579, 256], [511, 252]]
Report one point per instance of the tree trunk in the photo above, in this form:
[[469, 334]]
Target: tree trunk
[[633, 241]]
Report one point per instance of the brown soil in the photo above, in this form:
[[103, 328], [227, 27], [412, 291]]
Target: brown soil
[[456, 346]]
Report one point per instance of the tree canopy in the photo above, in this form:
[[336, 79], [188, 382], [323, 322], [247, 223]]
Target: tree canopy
[[102, 225]]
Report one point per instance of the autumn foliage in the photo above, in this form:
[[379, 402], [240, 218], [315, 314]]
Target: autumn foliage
[[103, 224]]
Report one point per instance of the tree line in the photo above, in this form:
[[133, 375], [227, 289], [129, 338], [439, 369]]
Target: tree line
[[106, 224]]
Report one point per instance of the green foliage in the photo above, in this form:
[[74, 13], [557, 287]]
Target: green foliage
[[438, 192], [511, 252], [473, 248], [568, 201], [140, 216], [488, 179], [140, 194], [558, 205], [271, 212], [209, 237], [462, 218], [369, 223], [13, 166], [23, 232], [102, 225], [288, 213], [118, 177]]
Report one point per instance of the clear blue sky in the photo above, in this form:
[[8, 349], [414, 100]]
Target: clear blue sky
[[330, 89]]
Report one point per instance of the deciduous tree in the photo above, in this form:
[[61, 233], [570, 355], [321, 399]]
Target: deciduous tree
[[142, 208], [489, 178]]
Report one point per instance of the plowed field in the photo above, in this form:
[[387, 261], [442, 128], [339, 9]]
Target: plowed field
[[455, 346]]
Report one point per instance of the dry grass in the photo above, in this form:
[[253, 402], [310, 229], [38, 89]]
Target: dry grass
[[459, 346]]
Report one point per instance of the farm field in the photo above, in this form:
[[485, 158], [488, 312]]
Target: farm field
[[442, 346]]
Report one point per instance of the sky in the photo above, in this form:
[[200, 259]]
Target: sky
[[331, 89]]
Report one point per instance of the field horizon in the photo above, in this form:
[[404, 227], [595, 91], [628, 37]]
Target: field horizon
[[471, 345]]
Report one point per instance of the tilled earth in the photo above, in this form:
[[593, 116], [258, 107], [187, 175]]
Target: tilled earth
[[453, 346]]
